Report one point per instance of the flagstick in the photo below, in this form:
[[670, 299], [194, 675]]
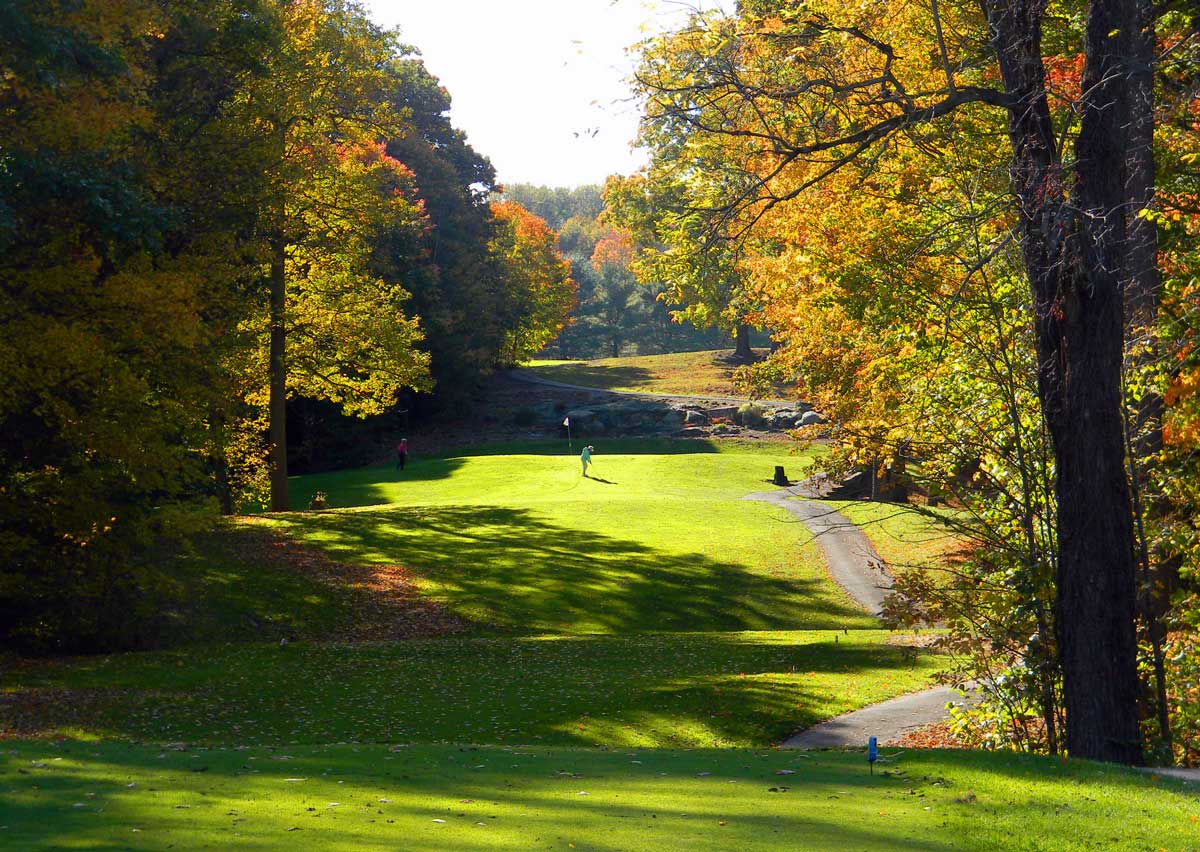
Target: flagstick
[[570, 446]]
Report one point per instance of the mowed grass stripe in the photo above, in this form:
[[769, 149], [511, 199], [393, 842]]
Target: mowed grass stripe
[[711, 689], [434, 798]]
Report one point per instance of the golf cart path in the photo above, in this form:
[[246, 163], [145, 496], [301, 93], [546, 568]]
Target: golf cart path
[[522, 375], [852, 560], [857, 568]]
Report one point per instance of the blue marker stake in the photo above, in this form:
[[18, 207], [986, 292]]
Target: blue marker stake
[[872, 753]]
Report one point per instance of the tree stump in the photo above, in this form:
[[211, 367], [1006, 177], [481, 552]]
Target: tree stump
[[780, 476]]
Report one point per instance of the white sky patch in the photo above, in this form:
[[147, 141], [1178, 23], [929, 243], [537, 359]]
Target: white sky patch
[[539, 86]]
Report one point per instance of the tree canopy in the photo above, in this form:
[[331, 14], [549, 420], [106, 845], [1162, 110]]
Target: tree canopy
[[210, 213], [877, 183]]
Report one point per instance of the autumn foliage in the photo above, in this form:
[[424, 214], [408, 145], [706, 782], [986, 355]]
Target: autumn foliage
[[211, 213]]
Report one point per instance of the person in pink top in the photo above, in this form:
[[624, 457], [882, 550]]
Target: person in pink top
[[401, 453]]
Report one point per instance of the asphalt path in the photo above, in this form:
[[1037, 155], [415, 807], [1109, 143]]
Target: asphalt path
[[856, 567]]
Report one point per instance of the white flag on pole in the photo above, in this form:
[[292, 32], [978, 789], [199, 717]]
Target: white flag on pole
[[566, 421]]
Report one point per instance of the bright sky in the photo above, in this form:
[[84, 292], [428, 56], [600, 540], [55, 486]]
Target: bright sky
[[537, 85]]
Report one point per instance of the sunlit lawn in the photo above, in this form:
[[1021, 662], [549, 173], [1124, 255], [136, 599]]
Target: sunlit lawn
[[627, 638], [650, 607], [432, 798], [521, 542], [686, 373], [609, 622]]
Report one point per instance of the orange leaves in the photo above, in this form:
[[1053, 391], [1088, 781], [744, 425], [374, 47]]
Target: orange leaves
[[538, 280], [616, 249]]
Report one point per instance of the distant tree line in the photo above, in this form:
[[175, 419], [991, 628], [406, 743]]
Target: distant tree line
[[619, 313]]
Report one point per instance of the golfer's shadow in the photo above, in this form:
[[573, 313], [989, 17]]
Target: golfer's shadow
[[598, 479]]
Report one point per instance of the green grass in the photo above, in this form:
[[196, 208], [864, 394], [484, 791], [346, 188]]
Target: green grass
[[684, 373], [426, 798], [713, 689], [628, 637], [224, 590], [902, 535], [522, 543], [650, 607]]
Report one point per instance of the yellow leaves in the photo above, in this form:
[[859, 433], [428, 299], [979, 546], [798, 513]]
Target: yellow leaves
[[1184, 387], [771, 25]]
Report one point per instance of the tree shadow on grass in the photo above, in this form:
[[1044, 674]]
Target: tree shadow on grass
[[661, 689], [431, 798], [514, 571], [362, 486]]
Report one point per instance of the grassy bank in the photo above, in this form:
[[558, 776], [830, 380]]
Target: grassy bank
[[683, 373], [418, 798]]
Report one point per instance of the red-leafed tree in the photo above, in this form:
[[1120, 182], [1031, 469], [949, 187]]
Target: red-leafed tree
[[539, 290]]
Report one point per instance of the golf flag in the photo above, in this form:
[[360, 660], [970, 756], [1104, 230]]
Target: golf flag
[[567, 421]]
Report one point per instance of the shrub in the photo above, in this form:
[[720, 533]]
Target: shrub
[[751, 415]]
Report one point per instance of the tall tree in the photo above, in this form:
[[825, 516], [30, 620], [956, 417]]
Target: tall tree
[[539, 292], [121, 271], [802, 90], [455, 282], [326, 93]]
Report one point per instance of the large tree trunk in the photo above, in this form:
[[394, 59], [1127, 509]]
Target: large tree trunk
[[1140, 278], [1073, 241], [742, 350], [277, 405]]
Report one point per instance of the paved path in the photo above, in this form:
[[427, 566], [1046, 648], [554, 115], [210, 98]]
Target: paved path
[[888, 721], [857, 568], [852, 561]]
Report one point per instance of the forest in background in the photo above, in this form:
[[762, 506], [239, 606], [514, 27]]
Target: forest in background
[[618, 314]]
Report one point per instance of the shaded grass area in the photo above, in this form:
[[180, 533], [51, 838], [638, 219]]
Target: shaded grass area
[[685, 373], [426, 798], [715, 689], [223, 589]]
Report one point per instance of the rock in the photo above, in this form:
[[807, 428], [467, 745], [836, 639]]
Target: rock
[[783, 419], [672, 419], [690, 432], [811, 418], [580, 416], [695, 418]]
